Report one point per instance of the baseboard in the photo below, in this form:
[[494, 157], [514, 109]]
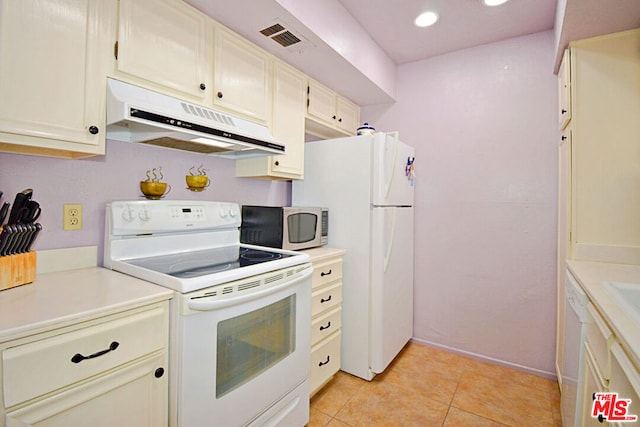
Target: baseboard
[[517, 367]]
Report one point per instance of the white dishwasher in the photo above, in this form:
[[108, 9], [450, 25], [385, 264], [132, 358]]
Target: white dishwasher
[[574, 336]]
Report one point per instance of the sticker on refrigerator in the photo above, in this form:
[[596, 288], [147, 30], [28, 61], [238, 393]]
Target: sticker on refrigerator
[[410, 170]]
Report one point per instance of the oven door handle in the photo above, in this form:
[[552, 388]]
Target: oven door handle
[[204, 305]]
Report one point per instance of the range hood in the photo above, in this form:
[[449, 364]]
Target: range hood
[[139, 115]]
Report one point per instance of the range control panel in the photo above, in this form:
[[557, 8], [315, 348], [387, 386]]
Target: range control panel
[[164, 216]]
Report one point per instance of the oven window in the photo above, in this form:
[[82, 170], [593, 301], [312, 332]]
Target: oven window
[[251, 343], [302, 227]]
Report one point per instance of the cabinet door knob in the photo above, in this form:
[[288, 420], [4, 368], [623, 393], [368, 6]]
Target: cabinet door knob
[[564, 111], [219, 94], [203, 86], [340, 119], [333, 117], [93, 130], [159, 372], [564, 137], [277, 163]]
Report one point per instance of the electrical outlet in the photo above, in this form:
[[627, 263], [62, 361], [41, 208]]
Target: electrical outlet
[[72, 217]]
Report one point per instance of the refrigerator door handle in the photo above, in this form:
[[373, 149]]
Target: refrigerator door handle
[[396, 143], [387, 256]]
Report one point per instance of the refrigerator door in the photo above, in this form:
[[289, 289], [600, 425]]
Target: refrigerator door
[[391, 185], [391, 283]]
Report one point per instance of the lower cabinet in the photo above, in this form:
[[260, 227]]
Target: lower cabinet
[[606, 368], [131, 395], [105, 372], [625, 380], [326, 312]]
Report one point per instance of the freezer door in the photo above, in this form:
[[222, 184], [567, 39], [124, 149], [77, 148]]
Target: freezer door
[[391, 283], [391, 185]]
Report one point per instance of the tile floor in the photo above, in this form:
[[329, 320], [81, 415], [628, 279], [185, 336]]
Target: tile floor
[[427, 387]]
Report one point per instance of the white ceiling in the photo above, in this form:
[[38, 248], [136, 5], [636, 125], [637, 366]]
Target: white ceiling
[[462, 24], [389, 23]]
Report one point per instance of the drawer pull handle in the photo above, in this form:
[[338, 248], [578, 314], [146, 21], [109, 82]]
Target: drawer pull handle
[[325, 362], [322, 274], [322, 328], [322, 300], [77, 358]]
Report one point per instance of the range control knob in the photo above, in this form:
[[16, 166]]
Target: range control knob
[[144, 215], [232, 213], [223, 213], [127, 214]]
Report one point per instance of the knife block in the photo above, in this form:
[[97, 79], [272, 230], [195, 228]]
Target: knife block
[[16, 270]]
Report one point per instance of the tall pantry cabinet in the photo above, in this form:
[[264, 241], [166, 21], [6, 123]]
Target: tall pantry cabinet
[[599, 155]]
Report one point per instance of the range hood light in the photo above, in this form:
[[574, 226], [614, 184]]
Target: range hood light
[[212, 142]]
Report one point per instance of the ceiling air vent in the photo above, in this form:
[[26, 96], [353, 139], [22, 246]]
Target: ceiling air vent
[[281, 35]]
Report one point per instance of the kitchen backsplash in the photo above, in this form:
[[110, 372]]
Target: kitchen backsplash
[[95, 181]]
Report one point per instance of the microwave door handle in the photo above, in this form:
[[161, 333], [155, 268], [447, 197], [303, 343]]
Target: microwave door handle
[[208, 305]]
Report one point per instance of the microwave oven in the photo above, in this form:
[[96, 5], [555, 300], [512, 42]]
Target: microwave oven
[[289, 227]]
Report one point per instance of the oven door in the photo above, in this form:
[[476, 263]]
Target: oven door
[[246, 358]]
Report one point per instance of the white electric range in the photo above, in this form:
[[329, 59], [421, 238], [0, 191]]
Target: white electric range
[[240, 334]]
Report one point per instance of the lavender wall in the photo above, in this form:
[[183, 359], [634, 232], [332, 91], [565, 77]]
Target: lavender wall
[[95, 181], [483, 122]]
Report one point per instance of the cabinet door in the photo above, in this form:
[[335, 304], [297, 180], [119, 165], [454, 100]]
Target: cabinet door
[[625, 380], [287, 126], [564, 238], [289, 87], [564, 91], [53, 76], [322, 103], [348, 115], [591, 385], [135, 395], [166, 42], [242, 73]]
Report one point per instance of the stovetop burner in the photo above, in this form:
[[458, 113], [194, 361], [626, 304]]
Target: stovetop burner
[[209, 261], [255, 256]]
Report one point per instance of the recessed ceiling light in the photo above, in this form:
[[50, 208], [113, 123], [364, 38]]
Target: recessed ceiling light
[[426, 19], [494, 2]]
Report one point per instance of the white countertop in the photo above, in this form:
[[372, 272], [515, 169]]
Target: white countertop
[[592, 276], [56, 300], [323, 252]]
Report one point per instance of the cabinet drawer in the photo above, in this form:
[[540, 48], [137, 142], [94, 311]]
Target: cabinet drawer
[[326, 272], [326, 298], [325, 361], [599, 338], [39, 367], [325, 325]]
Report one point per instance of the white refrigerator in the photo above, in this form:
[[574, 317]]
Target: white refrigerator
[[367, 184]]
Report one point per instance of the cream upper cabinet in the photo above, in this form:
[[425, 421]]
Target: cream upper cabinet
[[564, 91], [53, 62], [605, 200], [330, 115], [287, 126], [167, 45], [241, 76], [348, 115]]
